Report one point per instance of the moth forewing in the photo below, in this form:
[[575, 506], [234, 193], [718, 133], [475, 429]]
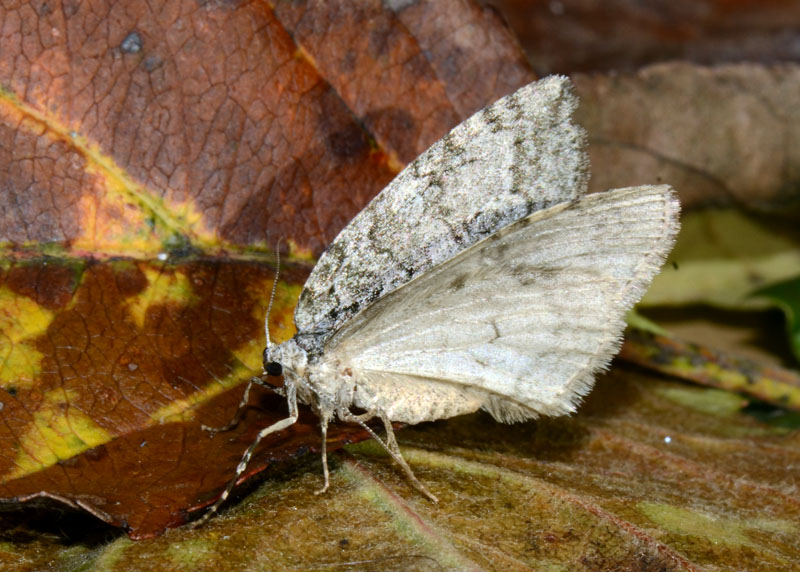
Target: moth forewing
[[521, 154], [518, 323]]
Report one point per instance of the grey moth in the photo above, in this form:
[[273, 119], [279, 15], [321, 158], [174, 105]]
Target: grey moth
[[481, 277]]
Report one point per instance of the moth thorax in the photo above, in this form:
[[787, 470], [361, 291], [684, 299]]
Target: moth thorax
[[331, 383]]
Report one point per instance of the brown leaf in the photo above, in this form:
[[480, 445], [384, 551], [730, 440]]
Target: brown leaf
[[457, 56], [721, 136], [567, 36], [150, 479], [191, 132], [111, 367], [127, 129]]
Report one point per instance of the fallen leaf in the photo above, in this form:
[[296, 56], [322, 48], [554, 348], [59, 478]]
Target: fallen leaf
[[722, 256], [566, 36], [110, 369], [130, 130], [723, 136], [186, 135], [649, 475], [677, 358]]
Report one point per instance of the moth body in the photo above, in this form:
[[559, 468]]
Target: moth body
[[332, 389]]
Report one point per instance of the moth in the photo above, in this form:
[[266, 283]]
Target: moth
[[481, 277]]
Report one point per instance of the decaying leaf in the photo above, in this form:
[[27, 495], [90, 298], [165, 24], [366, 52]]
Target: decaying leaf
[[130, 130], [567, 36], [706, 366], [109, 370], [725, 135]]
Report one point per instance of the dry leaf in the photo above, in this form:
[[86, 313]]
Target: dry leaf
[[727, 135], [565, 36]]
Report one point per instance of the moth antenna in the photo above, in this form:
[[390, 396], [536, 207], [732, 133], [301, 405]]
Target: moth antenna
[[274, 288]]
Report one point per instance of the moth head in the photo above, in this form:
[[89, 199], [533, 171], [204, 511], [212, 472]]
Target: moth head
[[286, 358], [272, 367]]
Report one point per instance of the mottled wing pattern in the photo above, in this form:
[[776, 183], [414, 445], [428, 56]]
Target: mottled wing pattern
[[521, 320], [513, 158]]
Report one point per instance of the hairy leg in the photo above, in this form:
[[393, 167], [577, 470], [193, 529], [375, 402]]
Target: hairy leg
[[237, 417], [390, 446], [291, 398]]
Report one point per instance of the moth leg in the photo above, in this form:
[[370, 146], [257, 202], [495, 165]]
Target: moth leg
[[390, 447], [291, 398], [237, 417], [359, 418], [324, 420], [391, 441], [325, 473]]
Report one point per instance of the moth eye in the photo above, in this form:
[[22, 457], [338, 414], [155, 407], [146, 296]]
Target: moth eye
[[274, 369]]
